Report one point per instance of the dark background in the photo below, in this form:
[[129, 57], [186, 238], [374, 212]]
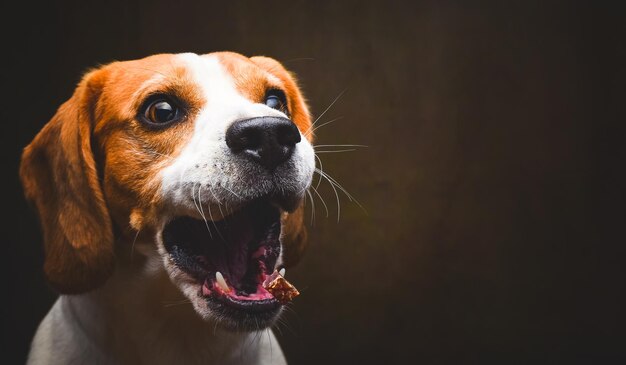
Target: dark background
[[493, 185]]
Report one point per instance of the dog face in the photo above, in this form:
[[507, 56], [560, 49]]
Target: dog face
[[207, 158]]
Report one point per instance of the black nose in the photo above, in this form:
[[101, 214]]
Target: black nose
[[267, 140]]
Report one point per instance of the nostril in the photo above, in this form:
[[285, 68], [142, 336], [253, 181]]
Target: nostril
[[250, 141], [288, 135], [241, 137]]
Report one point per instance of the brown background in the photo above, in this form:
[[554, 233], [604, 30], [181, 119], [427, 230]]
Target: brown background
[[492, 182]]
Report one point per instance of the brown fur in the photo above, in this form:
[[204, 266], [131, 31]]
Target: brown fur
[[59, 175]]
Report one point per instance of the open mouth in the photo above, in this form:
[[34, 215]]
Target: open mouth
[[231, 259]]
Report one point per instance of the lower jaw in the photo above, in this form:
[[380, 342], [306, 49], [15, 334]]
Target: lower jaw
[[236, 315], [245, 311]]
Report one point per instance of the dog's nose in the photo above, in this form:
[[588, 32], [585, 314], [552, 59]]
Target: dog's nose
[[267, 140]]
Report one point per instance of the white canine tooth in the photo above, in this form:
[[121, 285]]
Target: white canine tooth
[[221, 282], [282, 272]]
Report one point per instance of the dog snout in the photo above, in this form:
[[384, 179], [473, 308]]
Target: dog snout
[[268, 141]]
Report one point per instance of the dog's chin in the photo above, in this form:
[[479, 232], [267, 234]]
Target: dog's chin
[[221, 266]]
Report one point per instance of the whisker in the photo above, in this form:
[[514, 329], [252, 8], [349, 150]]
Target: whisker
[[312, 208], [202, 210], [213, 220], [232, 192], [221, 212], [284, 323], [176, 303], [283, 320], [288, 308], [269, 337], [193, 197], [323, 202], [331, 179], [219, 205], [199, 206], [323, 124], [302, 190], [334, 182], [277, 328], [213, 193], [224, 185], [328, 108], [337, 151], [335, 190], [339, 145], [319, 160], [304, 201], [350, 197]]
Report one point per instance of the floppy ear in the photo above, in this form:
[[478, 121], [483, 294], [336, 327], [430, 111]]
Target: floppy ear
[[294, 236], [59, 175]]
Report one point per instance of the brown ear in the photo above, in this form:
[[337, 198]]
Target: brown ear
[[59, 175], [294, 236]]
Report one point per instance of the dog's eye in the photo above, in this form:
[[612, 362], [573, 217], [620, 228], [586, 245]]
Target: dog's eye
[[159, 111], [276, 99], [273, 102]]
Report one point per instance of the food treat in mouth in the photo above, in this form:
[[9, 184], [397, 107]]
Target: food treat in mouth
[[280, 288]]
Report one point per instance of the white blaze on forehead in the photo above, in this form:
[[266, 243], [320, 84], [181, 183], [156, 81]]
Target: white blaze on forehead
[[212, 77], [220, 92]]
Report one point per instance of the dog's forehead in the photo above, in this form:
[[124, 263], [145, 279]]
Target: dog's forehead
[[214, 75], [219, 76], [200, 80]]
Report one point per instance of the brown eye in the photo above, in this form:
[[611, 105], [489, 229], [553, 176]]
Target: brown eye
[[160, 111]]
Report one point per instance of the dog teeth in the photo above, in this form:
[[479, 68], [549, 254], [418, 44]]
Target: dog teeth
[[221, 282], [282, 272]]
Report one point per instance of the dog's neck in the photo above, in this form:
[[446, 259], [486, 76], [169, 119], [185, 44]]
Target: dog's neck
[[139, 314]]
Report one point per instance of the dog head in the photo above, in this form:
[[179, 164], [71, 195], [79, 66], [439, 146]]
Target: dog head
[[205, 157]]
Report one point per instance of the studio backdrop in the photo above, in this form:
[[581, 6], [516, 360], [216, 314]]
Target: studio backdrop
[[480, 215]]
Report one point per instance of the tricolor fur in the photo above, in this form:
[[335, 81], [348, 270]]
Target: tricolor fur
[[105, 186]]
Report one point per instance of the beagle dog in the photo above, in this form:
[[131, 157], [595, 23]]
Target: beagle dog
[[169, 189]]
